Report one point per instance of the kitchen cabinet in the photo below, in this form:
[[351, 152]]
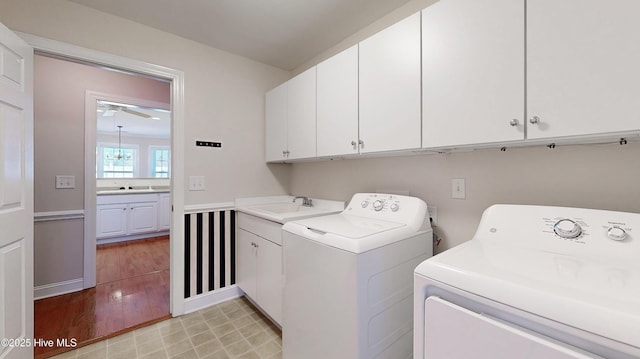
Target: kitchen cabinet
[[291, 119], [164, 211], [337, 104], [389, 85], [259, 271], [473, 72], [276, 123], [582, 67], [129, 215]]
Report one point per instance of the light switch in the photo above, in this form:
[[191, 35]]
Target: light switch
[[196, 183], [65, 182], [458, 188]]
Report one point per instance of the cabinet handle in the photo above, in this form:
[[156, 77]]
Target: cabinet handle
[[354, 143], [514, 122], [361, 143], [534, 120]]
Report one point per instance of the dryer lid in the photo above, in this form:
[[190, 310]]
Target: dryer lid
[[349, 226]]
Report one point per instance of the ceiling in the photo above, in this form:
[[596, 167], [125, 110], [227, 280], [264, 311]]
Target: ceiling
[[135, 120], [281, 33]]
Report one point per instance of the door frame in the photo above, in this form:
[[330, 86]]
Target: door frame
[[176, 77]]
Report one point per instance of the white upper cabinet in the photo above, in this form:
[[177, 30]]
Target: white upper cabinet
[[301, 115], [473, 72], [337, 104], [583, 71], [276, 124], [390, 88]]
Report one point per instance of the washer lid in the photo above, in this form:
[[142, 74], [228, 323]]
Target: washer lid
[[349, 226], [594, 296]]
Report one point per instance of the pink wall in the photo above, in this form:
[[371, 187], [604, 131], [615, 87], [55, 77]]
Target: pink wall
[[59, 99]]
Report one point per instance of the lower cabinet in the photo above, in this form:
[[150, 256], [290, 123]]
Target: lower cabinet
[[259, 271], [130, 215]]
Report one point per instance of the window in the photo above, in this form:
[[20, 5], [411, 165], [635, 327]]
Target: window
[[114, 162], [160, 162]]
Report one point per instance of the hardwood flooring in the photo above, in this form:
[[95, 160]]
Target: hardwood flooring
[[132, 290]]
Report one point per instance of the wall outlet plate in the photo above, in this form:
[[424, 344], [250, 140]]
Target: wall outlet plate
[[458, 189], [65, 182], [433, 215], [196, 183]]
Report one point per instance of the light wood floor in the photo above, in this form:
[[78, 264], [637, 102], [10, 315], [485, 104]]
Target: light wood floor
[[132, 291]]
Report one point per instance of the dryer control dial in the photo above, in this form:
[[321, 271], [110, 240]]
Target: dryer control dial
[[616, 233], [567, 228], [394, 207], [364, 204], [378, 205]]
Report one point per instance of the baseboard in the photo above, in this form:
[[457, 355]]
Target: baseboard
[[208, 299], [131, 238], [53, 289]]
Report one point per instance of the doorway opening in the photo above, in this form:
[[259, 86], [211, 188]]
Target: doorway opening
[[161, 172]]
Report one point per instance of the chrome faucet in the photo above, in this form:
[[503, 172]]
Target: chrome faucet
[[305, 201]]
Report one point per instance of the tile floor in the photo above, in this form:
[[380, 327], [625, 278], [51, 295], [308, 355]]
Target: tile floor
[[233, 329]]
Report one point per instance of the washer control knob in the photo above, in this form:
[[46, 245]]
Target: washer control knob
[[364, 204], [394, 207], [616, 233], [567, 228], [378, 205]]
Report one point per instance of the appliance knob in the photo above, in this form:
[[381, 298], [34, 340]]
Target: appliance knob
[[394, 207], [378, 205], [364, 204], [616, 233], [567, 228]]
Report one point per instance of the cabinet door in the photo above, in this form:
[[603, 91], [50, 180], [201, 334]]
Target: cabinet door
[[472, 72], [337, 105], [390, 88], [246, 262], [276, 123], [582, 67], [111, 220], [270, 278], [143, 217], [164, 212], [301, 115]]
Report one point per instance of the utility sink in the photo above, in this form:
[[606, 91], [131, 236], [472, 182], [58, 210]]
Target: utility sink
[[279, 208], [283, 209]]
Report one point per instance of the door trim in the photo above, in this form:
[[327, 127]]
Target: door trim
[[58, 48]]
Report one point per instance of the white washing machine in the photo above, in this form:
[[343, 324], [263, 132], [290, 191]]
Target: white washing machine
[[535, 282], [348, 289]]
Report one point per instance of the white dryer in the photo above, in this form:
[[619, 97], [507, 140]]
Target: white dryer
[[535, 282], [348, 289]]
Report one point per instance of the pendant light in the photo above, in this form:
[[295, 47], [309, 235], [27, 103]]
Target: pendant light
[[119, 155]]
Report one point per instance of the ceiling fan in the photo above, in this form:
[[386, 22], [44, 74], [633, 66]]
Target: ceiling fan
[[112, 109]]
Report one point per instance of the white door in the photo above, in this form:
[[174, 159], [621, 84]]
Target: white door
[[276, 124], [389, 71], [111, 220], [269, 278], [16, 196], [143, 217], [582, 67], [337, 86], [472, 72], [246, 259], [301, 115]]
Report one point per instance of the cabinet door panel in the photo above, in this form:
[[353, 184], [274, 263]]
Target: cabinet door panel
[[164, 214], [473, 72], [270, 278], [143, 217], [301, 115], [246, 262], [276, 123], [111, 220], [337, 104], [582, 67], [389, 71]]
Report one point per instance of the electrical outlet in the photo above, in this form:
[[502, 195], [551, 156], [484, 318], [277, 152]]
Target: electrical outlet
[[433, 215], [458, 189], [196, 183], [64, 182]]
